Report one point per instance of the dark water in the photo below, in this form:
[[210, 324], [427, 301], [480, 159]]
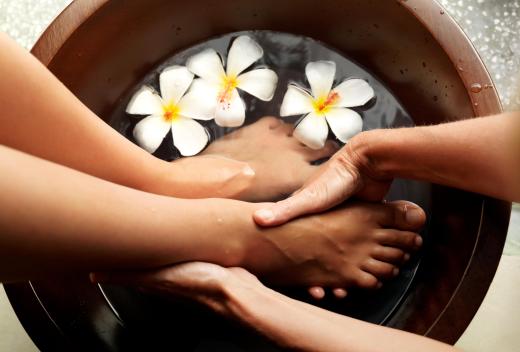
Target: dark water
[[191, 328]]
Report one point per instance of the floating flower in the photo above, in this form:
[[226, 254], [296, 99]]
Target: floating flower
[[218, 87], [326, 105], [171, 110]]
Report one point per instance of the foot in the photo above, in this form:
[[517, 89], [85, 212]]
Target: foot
[[360, 244], [281, 163]]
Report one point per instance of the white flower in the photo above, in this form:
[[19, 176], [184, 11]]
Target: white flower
[[170, 110], [326, 105], [218, 88]]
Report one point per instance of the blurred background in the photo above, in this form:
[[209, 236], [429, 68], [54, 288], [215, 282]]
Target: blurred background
[[494, 28]]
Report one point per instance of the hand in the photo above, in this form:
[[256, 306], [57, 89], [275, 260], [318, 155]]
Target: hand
[[346, 174], [206, 283], [358, 244], [202, 176]]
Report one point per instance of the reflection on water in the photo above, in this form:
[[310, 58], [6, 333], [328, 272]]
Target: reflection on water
[[287, 54]]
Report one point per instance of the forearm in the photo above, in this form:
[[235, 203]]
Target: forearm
[[54, 218], [479, 155], [303, 327], [40, 116]]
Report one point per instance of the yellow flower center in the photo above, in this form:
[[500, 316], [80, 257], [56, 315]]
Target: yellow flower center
[[229, 83], [171, 112], [324, 103]]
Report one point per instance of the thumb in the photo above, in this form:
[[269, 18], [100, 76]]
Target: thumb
[[328, 188], [280, 212]]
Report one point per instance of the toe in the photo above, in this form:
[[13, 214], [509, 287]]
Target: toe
[[366, 280], [380, 269], [327, 151], [270, 121], [403, 215], [390, 254], [285, 129], [404, 240]]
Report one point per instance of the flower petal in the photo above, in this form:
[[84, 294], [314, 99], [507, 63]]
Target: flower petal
[[320, 75], [207, 65], [353, 92], [312, 131], [243, 53], [188, 136], [296, 102], [231, 113], [145, 101], [344, 123], [150, 132], [200, 102], [174, 82], [260, 83]]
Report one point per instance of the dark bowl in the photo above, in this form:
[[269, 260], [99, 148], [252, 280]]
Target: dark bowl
[[101, 48]]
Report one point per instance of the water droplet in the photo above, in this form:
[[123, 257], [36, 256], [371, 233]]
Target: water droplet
[[476, 88], [476, 104], [461, 69]]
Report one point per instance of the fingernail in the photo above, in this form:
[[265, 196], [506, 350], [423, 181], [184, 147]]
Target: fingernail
[[379, 285], [265, 214], [395, 272], [413, 215], [406, 257], [418, 241]]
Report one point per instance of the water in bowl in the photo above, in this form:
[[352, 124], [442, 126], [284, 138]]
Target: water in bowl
[[191, 327]]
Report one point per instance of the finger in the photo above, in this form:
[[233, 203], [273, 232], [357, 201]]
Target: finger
[[340, 293], [317, 292], [287, 209], [327, 151]]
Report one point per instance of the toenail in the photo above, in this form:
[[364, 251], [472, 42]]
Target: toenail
[[406, 257], [418, 241], [413, 215]]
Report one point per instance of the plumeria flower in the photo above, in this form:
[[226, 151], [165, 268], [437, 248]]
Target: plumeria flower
[[326, 105], [218, 87], [172, 110]]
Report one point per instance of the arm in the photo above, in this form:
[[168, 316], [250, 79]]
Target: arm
[[56, 219], [292, 324], [40, 116], [480, 155], [302, 327]]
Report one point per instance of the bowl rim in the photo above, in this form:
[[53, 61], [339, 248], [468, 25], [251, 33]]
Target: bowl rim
[[471, 70]]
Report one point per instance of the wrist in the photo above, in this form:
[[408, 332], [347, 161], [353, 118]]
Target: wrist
[[368, 152], [202, 176]]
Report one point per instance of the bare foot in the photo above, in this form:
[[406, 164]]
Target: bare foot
[[360, 244], [281, 163]]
